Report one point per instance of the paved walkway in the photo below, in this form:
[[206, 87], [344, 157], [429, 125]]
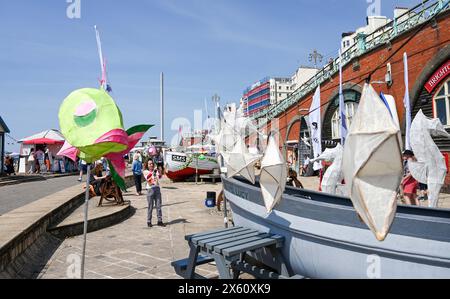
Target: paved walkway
[[131, 250], [16, 196]]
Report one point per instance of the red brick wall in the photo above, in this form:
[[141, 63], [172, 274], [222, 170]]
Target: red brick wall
[[422, 47]]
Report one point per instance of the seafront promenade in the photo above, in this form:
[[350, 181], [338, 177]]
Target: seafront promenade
[[122, 246], [132, 250]]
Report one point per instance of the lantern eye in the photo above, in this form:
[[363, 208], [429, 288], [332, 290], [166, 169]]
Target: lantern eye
[[85, 113]]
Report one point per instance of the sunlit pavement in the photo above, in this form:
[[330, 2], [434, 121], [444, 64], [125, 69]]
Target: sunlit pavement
[[131, 249]]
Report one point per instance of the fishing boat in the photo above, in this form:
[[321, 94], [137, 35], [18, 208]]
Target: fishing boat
[[181, 166], [324, 238]]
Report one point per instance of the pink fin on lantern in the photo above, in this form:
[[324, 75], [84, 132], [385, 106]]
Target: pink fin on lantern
[[133, 140], [118, 162], [116, 135], [135, 134], [68, 151]]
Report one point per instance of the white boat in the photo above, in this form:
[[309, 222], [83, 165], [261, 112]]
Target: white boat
[[325, 239], [180, 166]]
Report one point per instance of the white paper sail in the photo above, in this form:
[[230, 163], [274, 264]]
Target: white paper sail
[[333, 175], [430, 167], [372, 163], [240, 161], [273, 176]]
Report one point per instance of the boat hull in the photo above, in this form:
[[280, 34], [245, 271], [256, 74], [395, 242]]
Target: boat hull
[[325, 239], [180, 166]]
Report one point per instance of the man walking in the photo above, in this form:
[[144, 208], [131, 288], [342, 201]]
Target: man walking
[[137, 173]]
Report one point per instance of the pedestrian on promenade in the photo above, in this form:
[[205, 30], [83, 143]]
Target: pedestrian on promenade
[[152, 176], [82, 166], [409, 184], [137, 173], [159, 161], [39, 160], [32, 162], [9, 164], [48, 158]]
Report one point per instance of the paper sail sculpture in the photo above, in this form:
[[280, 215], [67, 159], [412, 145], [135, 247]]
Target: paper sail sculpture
[[333, 175], [92, 125], [273, 176], [240, 161], [372, 164], [430, 167]]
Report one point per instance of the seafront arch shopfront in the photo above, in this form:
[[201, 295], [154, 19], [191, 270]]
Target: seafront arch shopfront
[[432, 95]]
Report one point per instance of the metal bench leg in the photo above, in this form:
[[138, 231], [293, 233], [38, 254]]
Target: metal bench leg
[[237, 273], [193, 254], [283, 269], [222, 267]]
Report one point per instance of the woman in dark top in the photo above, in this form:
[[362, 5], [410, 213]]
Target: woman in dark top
[[96, 178]]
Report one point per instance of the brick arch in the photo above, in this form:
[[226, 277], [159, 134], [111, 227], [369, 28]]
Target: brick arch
[[441, 56], [332, 106], [294, 121]]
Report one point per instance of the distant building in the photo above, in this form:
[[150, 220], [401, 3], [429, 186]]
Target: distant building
[[3, 130], [280, 89], [301, 76], [257, 96], [264, 93]]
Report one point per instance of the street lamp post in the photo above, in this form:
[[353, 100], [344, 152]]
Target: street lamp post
[[316, 57]]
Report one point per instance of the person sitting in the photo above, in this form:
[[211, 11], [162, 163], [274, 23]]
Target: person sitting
[[95, 180], [293, 179]]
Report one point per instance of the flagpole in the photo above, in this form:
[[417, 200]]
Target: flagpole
[[407, 103], [86, 207], [100, 54], [342, 110]]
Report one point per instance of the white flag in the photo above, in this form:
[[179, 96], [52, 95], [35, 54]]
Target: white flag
[[316, 128], [342, 110], [407, 104]]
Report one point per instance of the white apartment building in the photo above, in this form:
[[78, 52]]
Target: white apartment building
[[280, 89], [301, 76]]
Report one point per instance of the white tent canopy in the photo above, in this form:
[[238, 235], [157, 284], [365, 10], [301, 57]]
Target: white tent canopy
[[48, 134]]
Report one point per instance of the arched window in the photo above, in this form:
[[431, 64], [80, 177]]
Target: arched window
[[441, 103], [350, 108]]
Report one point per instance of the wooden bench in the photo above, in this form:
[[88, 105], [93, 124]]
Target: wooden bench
[[228, 248]]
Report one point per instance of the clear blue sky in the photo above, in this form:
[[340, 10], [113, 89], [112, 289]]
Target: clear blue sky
[[202, 46]]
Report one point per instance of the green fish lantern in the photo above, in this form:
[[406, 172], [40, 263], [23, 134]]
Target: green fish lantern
[[93, 128]]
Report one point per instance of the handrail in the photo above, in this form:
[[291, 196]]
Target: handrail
[[366, 43]]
